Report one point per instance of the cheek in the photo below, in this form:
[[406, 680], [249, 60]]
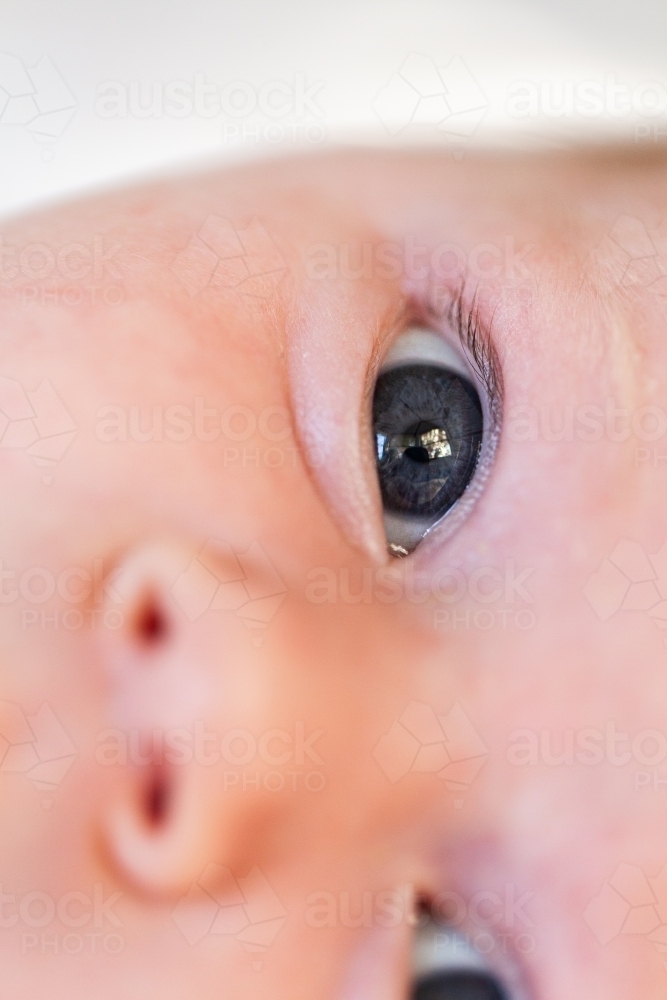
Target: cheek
[[535, 790]]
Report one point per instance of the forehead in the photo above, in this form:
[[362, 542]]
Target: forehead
[[227, 252]]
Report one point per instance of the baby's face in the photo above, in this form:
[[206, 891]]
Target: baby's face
[[249, 744]]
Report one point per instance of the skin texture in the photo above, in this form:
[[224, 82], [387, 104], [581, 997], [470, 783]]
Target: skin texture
[[563, 285]]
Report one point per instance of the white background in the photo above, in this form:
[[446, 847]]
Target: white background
[[349, 50]]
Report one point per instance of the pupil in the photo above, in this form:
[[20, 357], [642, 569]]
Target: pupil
[[429, 442], [417, 454]]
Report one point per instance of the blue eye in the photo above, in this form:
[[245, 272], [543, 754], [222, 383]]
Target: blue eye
[[428, 428]]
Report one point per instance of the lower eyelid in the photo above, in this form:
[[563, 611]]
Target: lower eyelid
[[428, 553]]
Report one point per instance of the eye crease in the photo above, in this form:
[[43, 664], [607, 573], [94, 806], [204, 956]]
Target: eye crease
[[428, 427]]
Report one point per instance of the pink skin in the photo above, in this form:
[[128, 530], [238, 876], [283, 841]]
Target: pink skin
[[569, 330]]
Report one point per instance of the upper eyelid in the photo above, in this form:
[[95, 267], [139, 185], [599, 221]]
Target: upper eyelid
[[462, 313], [479, 341]]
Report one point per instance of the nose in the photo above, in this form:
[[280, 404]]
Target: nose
[[250, 782]]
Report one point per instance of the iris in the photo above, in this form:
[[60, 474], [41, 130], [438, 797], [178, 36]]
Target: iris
[[427, 422]]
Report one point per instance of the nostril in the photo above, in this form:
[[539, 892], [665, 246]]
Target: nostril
[[151, 625], [157, 798]]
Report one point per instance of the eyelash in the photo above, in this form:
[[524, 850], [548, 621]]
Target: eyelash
[[462, 314]]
